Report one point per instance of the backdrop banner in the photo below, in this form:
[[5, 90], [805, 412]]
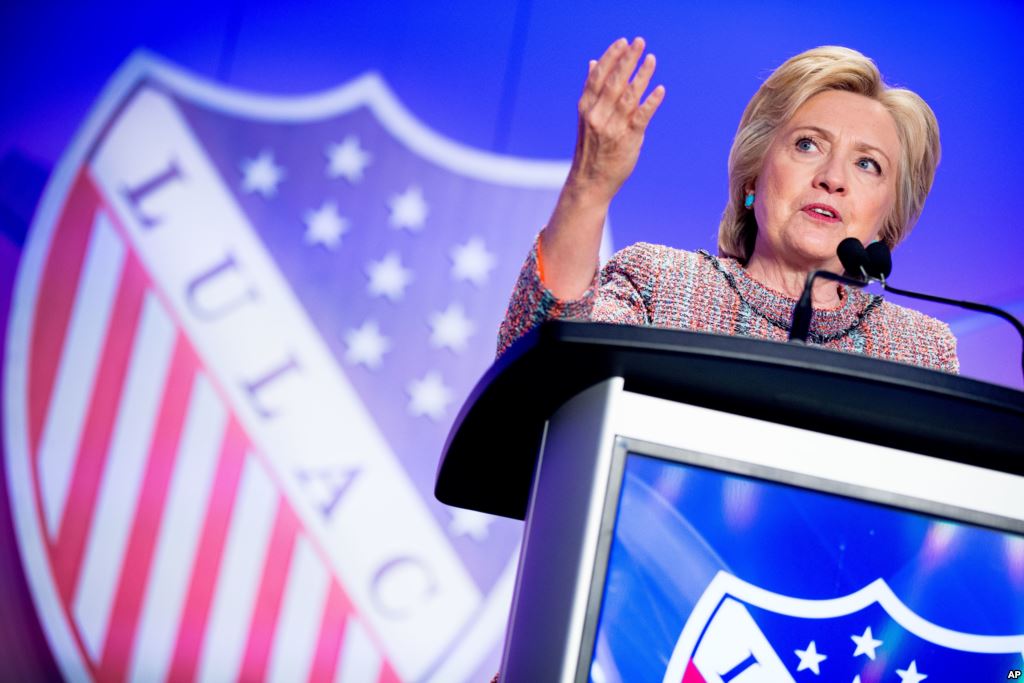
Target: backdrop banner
[[240, 330]]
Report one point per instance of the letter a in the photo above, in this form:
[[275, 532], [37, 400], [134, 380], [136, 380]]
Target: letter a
[[329, 485]]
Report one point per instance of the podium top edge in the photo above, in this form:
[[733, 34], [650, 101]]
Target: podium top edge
[[895, 404]]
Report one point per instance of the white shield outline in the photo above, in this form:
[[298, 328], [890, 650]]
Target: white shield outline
[[368, 90], [878, 591]]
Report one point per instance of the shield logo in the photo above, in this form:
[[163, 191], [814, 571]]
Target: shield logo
[[740, 632], [240, 329]]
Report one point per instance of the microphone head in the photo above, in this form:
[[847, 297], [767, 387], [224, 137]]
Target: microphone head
[[853, 256], [879, 260]]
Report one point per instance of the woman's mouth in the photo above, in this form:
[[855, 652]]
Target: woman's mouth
[[822, 212]]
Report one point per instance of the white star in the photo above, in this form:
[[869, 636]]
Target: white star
[[366, 345], [261, 174], [856, 679], [388, 277], [866, 644], [910, 675], [810, 659], [324, 226], [471, 261], [469, 523], [429, 395], [450, 328], [408, 209], [347, 159]]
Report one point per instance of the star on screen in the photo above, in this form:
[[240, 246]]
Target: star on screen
[[429, 396], [325, 226], [366, 345], [471, 261], [910, 674], [388, 277], [450, 328], [866, 644], [347, 160], [810, 659], [261, 174], [408, 209]]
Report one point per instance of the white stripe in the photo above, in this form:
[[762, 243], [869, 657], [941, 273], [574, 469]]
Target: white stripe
[[79, 363], [298, 628], [238, 582], [177, 542], [359, 659], [122, 476]]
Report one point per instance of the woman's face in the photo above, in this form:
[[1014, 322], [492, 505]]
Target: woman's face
[[829, 174]]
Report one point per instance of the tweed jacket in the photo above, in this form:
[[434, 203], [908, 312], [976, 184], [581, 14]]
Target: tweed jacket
[[648, 284]]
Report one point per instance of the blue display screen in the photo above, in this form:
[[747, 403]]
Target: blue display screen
[[713, 575]]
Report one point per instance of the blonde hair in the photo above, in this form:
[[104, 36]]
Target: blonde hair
[[776, 101]]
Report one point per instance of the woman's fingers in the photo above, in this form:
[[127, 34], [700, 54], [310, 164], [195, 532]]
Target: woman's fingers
[[631, 96], [618, 97], [618, 78], [599, 69], [645, 111]]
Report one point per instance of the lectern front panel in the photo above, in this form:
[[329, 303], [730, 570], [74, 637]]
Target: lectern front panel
[[720, 569]]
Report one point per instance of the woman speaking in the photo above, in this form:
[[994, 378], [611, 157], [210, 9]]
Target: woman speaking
[[825, 150]]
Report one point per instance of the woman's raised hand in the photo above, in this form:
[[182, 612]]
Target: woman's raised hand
[[612, 120]]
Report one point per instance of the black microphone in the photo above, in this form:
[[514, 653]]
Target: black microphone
[[855, 261], [879, 267], [879, 259], [855, 258]]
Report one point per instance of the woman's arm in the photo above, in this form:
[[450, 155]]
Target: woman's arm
[[612, 123], [559, 277]]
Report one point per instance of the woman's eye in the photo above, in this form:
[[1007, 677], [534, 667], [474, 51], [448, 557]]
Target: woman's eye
[[806, 145], [869, 164]]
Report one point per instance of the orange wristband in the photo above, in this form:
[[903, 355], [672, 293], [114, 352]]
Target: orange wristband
[[540, 262]]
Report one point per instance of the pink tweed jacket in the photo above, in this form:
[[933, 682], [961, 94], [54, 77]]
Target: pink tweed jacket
[[648, 284]]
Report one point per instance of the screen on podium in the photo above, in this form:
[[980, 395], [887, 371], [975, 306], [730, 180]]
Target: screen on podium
[[720, 570]]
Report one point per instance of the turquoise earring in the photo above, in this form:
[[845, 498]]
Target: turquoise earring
[[749, 201]]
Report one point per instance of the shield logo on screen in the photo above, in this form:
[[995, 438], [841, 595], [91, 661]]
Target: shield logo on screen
[[740, 632], [241, 329]]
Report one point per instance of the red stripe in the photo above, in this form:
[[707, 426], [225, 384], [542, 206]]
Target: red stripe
[[268, 603], [56, 296], [145, 528], [211, 546], [99, 425], [387, 674], [692, 675], [332, 625]]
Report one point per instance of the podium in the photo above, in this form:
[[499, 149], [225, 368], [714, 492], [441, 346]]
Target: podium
[[705, 508]]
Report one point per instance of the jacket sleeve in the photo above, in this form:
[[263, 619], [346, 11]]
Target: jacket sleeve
[[532, 303], [614, 296], [947, 355]]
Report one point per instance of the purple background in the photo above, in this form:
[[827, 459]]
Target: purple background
[[505, 76]]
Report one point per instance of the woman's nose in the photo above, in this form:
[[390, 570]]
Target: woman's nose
[[830, 177]]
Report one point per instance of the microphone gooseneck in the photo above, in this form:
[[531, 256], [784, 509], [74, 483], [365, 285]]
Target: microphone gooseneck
[[880, 267], [874, 264], [854, 259]]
